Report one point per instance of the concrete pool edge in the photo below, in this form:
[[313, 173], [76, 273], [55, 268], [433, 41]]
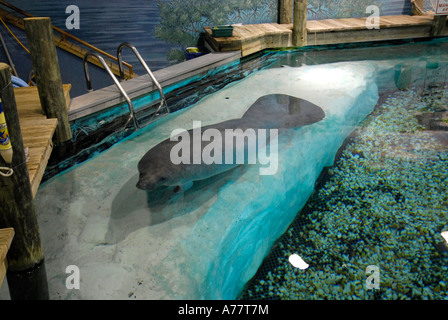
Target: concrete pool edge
[[107, 97]]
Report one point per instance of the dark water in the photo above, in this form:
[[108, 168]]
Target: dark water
[[104, 24]]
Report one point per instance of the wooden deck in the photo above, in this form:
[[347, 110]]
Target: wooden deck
[[6, 236], [253, 38], [37, 131]]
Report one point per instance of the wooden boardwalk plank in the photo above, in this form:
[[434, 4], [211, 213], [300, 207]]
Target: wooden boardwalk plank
[[37, 131], [337, 23], [389, 22], [274, 28], [28, 103], [359, 23], [39, 150], [402, 21], [253, 38], [318, 26], [6, 237], [328, 25]]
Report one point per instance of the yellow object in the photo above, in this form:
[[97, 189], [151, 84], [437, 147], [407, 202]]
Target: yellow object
[[5, 142], [14, 36], [193, 50]]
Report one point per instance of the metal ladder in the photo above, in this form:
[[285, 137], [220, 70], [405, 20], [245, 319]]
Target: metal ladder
[[163, 103], [132, 115]]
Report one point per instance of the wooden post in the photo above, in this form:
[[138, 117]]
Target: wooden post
[[44, 58], [285, 11], [438, 26], [299, 32], [26, 271]]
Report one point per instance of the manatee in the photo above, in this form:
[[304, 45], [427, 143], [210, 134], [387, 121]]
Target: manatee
[[274, 111]]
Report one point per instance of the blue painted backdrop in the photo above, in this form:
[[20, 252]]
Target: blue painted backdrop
[[161, 28]]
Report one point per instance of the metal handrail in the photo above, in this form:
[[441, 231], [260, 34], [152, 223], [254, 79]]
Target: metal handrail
[[117, 83], [163, 102]]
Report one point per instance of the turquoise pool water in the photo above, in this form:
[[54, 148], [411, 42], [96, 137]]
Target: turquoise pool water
[[382, 202]]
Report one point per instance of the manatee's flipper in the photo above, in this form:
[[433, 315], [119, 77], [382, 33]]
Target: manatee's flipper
[[283, 111], [184, 187], [187, 186]]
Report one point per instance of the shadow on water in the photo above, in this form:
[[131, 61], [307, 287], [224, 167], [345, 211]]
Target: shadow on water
[[133, 208]]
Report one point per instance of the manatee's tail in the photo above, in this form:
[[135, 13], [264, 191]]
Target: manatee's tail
[[283, 111]]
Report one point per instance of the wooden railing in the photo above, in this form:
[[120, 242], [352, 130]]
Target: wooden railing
[[62, 42]]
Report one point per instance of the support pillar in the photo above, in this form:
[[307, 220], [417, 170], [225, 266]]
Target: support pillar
[[285, 11], [299, 32], [26, 270], [44, 58]]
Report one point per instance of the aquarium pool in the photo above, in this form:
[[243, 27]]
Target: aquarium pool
[[383, 204], [209, 241]]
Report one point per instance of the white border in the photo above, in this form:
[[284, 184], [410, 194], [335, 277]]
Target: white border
[[445, 4]]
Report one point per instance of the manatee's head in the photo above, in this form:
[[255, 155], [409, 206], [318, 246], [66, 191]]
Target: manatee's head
[[151, 182], [155, 168], [153, 175]]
